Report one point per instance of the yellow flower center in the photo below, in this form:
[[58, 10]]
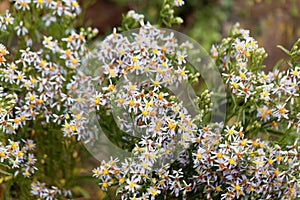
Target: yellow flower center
[[145, 112], [74, 3]]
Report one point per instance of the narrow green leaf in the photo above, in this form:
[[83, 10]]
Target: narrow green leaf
[[4, 165], [284, 50], [119, 189], [81, 191], [4, 172]]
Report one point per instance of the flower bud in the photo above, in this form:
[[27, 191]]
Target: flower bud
[[178, 20], [171, 12]]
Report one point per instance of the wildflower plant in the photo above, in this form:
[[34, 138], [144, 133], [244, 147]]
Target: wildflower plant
[[41, 48], [217, 160], [149, 105], [264, 101]]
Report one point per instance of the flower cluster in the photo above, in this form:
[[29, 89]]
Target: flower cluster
[[133, 80], [35, 75], [41, 191], [56, 11], [59, 8], [167, 12], [46, 95], [6, 102], [42, 90], [272, 94], [213, 163], [19, 155], [137, 17], [167, 16], [223, 165]]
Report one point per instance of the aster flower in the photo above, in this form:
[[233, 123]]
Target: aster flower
[[179, 2], [22, 4], [21, 29]]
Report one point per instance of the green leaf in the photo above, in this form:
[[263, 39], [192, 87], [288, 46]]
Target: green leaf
[[119, 189], [4, 172], [278, 64], [284, 50], [81, 191], [4, 165], [244, 116]]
